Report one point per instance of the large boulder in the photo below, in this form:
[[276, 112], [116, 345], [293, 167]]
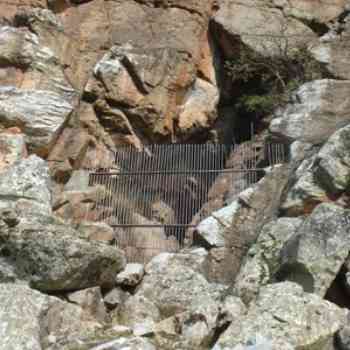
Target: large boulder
[[310, 11], [17, 46], [318, 109], [198, 111], [39, 114], [263, 258], [315, 254], [332, 163], [289, 318], [174, 282], [51, 256], [30, 320], [25, 186], [323, 176], [305, 193], [141, 75], [20, 311], [40, 68], [331, 51], [260, 26], [239, 224]]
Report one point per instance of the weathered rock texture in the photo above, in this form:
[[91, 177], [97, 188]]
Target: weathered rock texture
[[315, 254], [31, 320], [79, 78], [26, 186], [51, 256], [235, 228], [289, 317], [319, 108]]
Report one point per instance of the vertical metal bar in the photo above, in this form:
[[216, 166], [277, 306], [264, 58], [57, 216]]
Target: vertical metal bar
[[159, 181], [115, 189], [128, 198], [255, 177]]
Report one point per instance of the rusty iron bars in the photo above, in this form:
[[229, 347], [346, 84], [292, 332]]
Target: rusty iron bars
[[155, 197]]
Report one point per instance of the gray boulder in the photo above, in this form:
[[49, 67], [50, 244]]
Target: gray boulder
[[174, 287], [332, 168], [17, 46], [20, 311], [255, 207], [315, 254], [91, 301], [30, 320], [319, 108], [52, 257], [26, 186], [289, 318], [115, 297], [263, 258], [305, 193]]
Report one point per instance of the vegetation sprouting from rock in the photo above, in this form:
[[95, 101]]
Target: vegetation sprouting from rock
[[267, 82]]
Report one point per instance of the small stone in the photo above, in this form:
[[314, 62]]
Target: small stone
[[97, 231], [114, 298], [10, 217], [91, 301], [131, 275]]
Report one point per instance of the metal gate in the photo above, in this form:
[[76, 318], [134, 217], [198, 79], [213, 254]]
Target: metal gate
[[153, 198]]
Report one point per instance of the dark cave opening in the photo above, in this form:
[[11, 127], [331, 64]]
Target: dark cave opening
[[337, 292]]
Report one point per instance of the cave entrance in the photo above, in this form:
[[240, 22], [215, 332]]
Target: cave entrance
[[154, 197]]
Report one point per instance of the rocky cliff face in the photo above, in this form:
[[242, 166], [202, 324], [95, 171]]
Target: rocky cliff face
[[79, 78]]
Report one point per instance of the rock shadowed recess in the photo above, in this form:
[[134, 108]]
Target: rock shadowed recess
[[289, 318], [315, 254], [319, 108], [52, 257]]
